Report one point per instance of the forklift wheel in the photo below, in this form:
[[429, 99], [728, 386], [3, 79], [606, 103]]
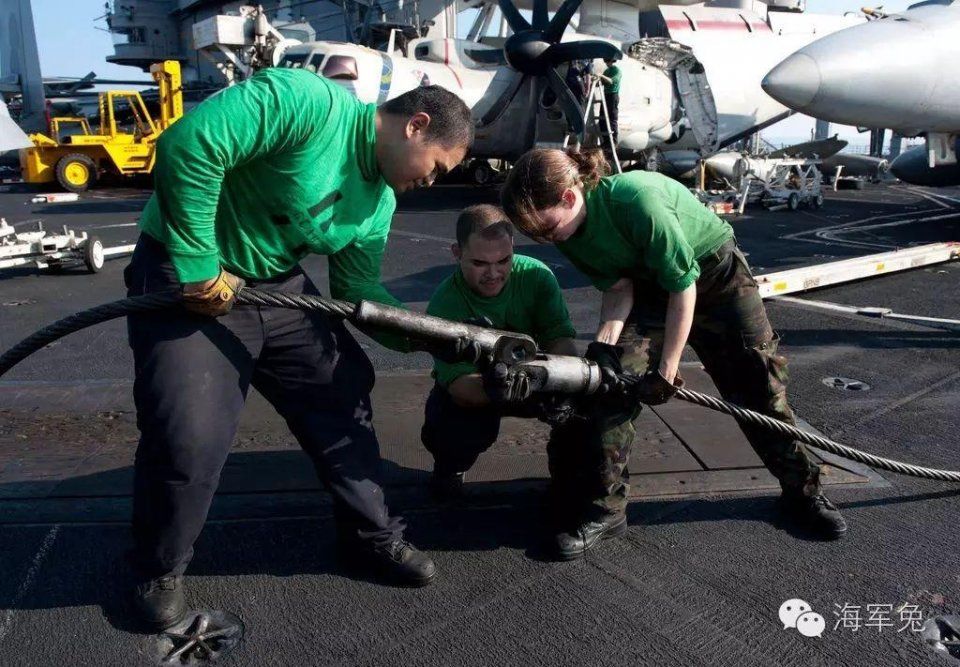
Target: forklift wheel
[[793, 201], [816, 202], [76, 172], [93, 254]]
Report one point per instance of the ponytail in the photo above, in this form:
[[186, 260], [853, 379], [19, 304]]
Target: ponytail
[[591, 165]]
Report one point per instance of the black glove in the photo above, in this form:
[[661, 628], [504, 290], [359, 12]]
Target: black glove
[[506, 385], [607, 357], [653, 389], [458, 349], [467, 349], [555, 409]]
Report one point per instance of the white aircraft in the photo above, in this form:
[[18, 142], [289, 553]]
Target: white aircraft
[[892, 72], [11, 136], [513, 107], [691, 74]]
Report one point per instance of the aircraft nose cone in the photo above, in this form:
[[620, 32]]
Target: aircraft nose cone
[[904, 163], [795, 82]]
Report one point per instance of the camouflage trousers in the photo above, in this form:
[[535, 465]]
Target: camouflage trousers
[[738, 348], [587, 455]]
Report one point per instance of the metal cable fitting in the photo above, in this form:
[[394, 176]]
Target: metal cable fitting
[[346, 310]]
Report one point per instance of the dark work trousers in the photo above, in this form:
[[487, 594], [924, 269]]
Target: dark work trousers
[[587, 456], [192, 376], [613, 111], [733, 338]]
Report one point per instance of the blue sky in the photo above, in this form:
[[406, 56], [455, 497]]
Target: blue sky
[[73, 43], [841, 6]]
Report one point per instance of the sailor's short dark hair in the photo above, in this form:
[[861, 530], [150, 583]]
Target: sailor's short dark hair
[[450, 122], [485, 219]]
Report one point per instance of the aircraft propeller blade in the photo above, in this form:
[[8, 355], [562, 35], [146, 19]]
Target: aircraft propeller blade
[[535, 50], [541, 19], [513, 16], [560, 20], [587, 49], [571, 107], [74, 87], [502, 102]]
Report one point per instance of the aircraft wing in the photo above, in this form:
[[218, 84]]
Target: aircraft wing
[[822, 148]]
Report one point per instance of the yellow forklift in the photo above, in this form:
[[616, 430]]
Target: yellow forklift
[[76, 160]]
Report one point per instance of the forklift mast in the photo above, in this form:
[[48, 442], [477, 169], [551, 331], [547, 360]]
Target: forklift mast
[[167, 76]]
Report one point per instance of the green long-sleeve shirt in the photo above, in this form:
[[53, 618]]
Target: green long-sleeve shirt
[[260, 175]]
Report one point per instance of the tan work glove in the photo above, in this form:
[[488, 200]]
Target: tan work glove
[[212, 298]]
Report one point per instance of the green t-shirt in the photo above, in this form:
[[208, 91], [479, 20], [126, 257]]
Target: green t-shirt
[[644, 225], [530, 303], [270, 170], [613, 72]]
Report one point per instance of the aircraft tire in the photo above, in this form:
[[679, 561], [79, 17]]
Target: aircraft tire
[[481, 173]]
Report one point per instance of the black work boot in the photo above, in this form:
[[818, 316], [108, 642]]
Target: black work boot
[[574, 543], [160, 602], [815, 513], [446, 487], [398, 562]]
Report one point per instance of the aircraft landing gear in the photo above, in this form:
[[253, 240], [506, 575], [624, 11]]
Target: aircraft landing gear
[[480, 172]]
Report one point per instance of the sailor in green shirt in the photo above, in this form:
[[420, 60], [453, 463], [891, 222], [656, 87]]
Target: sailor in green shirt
[[247, 184], [498, 288], [671, 267], [611, 78]]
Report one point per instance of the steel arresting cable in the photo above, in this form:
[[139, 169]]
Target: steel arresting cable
[[346, 310], [745, 416], [160, 301]]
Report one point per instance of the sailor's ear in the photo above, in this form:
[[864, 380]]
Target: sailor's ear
[[418, 124]]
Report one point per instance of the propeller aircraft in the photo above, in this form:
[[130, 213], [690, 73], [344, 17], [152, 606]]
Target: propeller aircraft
[[691, 74]]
